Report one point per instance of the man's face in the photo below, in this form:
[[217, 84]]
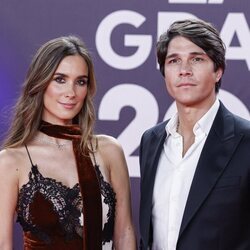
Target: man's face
[[189, 74]]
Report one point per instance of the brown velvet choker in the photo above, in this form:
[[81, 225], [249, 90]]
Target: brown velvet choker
[[89, 184]]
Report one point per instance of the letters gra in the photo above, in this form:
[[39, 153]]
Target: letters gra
[[235, 25]]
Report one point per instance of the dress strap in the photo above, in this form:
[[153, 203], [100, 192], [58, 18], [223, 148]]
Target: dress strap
[[28, 154]]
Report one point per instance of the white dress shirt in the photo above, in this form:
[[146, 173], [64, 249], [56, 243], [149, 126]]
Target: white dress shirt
[[173, 179]]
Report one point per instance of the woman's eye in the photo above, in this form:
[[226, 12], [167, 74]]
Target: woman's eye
[[82, 82], [59, 79]]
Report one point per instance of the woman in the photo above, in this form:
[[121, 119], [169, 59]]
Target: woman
[[68, 187]]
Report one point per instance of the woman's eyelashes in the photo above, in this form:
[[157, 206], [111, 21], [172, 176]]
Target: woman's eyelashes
[[80, 81]]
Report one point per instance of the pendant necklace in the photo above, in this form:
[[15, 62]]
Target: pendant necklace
[[48, 141]]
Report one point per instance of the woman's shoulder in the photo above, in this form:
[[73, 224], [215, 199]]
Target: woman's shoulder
[[11, 157], [107, 142], [110, 150]]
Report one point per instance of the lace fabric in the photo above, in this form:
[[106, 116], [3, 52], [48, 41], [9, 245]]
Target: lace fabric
[[109, 199], [66, 204]]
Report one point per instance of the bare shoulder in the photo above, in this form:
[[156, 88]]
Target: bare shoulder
[[111, 156], [108, 143], [11, 158], [110, 150]]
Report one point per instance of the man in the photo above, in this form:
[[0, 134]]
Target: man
[[195, 168]]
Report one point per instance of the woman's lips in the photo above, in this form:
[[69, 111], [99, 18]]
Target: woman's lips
[[68, 105]]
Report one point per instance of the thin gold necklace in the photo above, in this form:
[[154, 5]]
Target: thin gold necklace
[[48, 141]]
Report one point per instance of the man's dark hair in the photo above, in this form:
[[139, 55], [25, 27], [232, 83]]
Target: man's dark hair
[[201, 33]]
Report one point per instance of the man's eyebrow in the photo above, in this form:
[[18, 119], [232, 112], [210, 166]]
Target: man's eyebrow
[[191, 53], [172, 55], [199, 53]]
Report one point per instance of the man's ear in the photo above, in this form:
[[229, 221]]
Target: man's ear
[[218, 74]]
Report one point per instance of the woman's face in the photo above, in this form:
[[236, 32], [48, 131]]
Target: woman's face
[[66, 92]]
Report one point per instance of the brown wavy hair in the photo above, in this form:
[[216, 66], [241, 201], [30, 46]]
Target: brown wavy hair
[[29, 107]]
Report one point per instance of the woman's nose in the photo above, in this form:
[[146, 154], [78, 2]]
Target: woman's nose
[[70, 90]]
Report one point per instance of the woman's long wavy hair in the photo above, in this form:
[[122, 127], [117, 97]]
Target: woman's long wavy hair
[[29, 107]]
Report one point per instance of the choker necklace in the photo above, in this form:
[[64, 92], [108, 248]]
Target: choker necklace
[[48, 141]]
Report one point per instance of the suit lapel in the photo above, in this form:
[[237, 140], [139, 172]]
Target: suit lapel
[[151, 154], [152, 159], [217, 152]]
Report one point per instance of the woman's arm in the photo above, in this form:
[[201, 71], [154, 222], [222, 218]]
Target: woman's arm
[[8, 198], [124, 234]]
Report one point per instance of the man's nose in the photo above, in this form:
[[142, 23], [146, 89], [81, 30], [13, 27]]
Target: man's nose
[[185, 68]]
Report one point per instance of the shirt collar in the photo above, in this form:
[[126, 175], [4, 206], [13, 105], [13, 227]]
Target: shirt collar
[[171, 126], [201, 126], [206, 121]]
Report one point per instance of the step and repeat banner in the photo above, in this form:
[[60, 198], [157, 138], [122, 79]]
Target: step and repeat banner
[[121, 36]]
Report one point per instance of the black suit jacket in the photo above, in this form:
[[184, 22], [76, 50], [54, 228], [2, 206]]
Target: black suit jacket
[[217, 212]]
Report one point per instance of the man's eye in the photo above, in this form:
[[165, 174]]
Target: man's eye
[[174, 61], [197, 59]]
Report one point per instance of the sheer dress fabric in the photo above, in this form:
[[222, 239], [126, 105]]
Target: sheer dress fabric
[[51, 214]]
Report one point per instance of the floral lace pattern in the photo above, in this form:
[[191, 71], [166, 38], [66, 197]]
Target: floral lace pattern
[[66, 202], [109, 199]]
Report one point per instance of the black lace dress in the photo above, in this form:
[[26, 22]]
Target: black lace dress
[[50, 213]]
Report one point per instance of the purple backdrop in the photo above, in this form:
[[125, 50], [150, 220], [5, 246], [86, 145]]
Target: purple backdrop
[[121, 35]]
